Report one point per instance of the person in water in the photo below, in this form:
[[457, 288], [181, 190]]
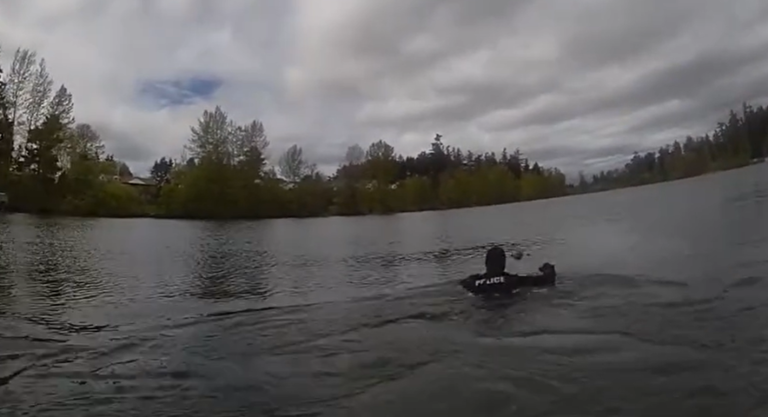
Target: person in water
[[496, 280]]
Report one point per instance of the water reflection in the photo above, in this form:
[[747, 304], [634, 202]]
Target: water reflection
[[214, 267], [309, 317], [227, 266], [6, 273], [61, 269], [47, 262]]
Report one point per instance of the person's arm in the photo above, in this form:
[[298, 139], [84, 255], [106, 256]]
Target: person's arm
[[536, 280], [511, 282], [545, 279]]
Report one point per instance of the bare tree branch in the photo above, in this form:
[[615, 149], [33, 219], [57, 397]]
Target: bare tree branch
[[293, 166], [38, 96]]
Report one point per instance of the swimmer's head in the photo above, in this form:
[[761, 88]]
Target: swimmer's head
[[495, 260]]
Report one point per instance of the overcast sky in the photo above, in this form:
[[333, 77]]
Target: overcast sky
[[575, 84]]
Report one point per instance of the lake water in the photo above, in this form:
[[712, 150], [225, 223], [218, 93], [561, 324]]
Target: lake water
[[661, 309]]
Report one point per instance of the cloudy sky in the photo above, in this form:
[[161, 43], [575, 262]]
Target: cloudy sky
[[575, 84]]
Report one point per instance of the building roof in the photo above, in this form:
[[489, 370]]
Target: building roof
[[140, 181]]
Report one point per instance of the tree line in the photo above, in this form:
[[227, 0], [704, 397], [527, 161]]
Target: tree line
[[50, 163], [739, 141]]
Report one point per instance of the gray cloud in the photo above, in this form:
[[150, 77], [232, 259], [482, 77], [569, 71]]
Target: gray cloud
[[575, 84], [127, 147], [547, 68], [686, 80]]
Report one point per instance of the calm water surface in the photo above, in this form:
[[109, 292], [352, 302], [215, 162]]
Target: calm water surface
[[661, 309]]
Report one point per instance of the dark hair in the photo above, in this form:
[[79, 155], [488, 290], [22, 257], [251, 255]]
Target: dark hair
[[495, 260]]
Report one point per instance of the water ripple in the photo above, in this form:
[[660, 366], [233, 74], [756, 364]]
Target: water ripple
[[659, 310]]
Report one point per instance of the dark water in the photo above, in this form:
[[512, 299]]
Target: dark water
[[662, 309]]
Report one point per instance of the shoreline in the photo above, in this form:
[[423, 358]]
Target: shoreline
[[233, 219]]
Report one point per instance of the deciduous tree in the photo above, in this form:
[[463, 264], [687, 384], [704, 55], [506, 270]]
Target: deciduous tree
[[292, 165]]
